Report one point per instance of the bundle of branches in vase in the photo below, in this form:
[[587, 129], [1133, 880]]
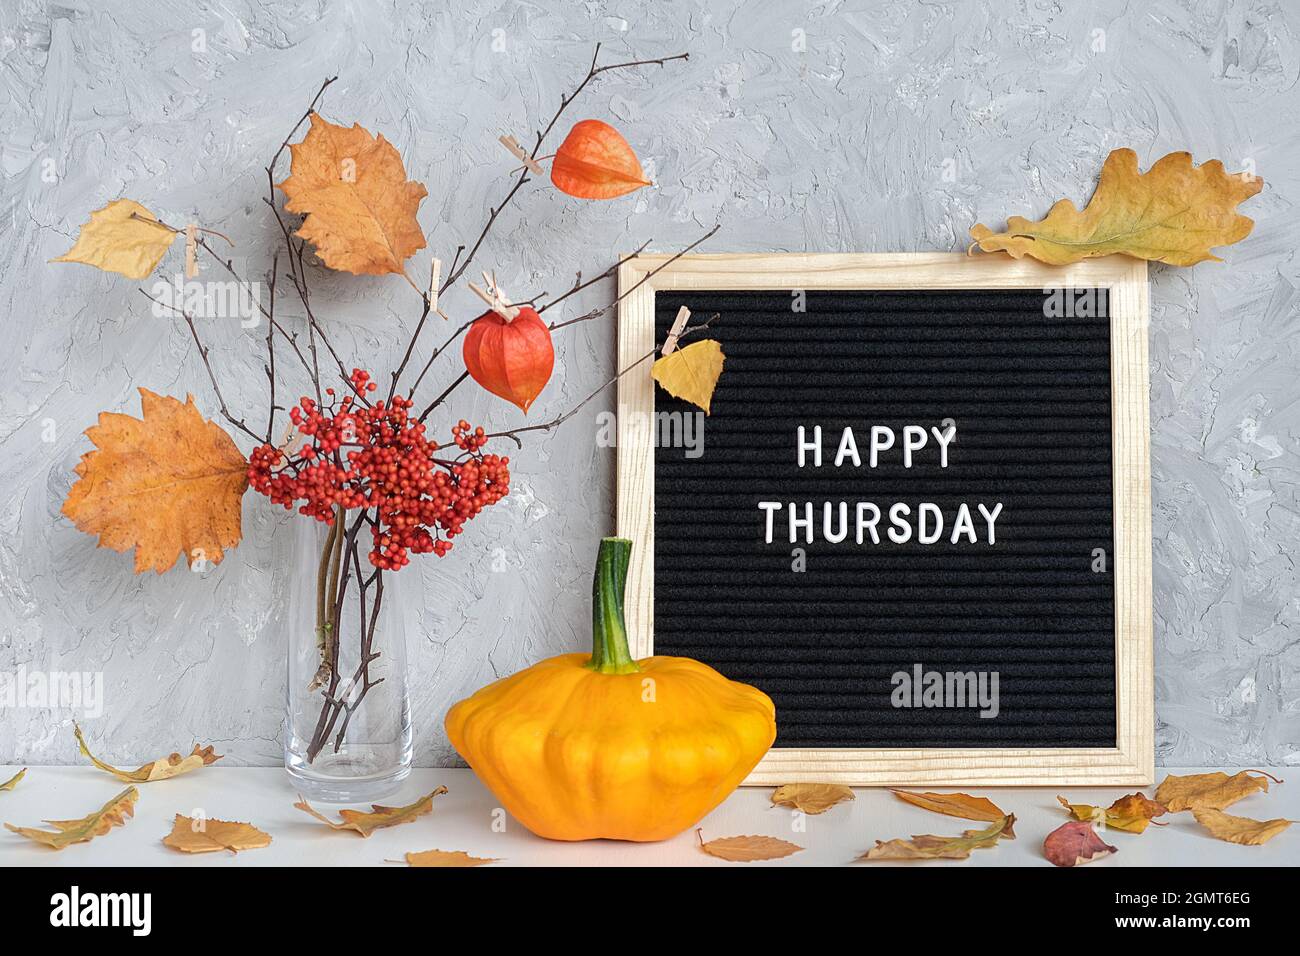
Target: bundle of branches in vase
[[381, 466]]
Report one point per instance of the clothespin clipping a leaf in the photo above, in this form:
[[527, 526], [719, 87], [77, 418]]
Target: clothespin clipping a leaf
[[521, 154], [691, 373], [675, 332]]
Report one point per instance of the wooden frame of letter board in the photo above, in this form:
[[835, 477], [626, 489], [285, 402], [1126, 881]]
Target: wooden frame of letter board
[[1132, 762]]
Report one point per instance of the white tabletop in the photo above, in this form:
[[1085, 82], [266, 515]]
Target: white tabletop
[[462, 819]]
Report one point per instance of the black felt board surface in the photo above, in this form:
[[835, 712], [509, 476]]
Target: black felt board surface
[[1031, 399]]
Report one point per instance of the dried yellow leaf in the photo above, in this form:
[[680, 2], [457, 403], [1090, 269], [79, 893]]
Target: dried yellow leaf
[[747, 849], [812, 798], [360, 207], [14, 780], [123, 237], [691, 373], [1213, 791], [1174, 212], [1131, 813], [961, 805], [67, 832], [365, 823], [929, 847], [163, 768], [1241, 830], [168, 482], [447, 858], [210, 836]]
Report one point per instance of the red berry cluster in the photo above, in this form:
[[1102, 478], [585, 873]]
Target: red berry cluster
[[375, 456]]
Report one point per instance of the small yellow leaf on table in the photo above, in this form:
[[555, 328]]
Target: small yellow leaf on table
[[210, 836], [1242, 830], [811, 798], [1131, 813], [123, 237], [163, 768], [930, 847], [747, 849], [14, 780], [691, 373], [447, 858], [961, 805], [377, 817], [67, 832]]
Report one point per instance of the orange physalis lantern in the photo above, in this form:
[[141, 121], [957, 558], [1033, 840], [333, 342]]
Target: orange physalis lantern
[[512, 358], [595, 162]]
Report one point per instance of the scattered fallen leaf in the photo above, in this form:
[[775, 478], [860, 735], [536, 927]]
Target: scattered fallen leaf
[[813, 798], [360, 207], [960, 805], [447, 858], [747, 849], [1241, 830], [691, 373], [161, 769], [210, 836], [378, 817], [1131, 813], [1174, 212], [595, 162], [123, 237], [926, 846], [164, 483], [1213, 791], [67, 832], [1075, 843], [14, 780]]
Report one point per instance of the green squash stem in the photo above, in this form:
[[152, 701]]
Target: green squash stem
[[609, 651]]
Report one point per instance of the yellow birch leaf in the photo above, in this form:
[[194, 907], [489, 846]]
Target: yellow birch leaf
[[1243, 830], [123, 237], [360, 207], [747, 849], [365, 823], [67, 832], [168, 482], [14, 780], [447, 858], [1174, 212], [812, 798], [161, 769], [691, 373], [929, 847], [1213, 791], [961, 805], [211, 836]]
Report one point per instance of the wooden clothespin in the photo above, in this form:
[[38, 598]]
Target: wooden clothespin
[[521, 154], [191, 251], [495, 297], [435, 277], [674, 333]]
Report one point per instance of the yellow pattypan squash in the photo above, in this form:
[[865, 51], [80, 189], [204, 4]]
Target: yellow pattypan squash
[[581, 747]]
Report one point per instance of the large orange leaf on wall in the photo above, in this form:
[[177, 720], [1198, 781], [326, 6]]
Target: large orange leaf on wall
[[166, 483], [360, 207]]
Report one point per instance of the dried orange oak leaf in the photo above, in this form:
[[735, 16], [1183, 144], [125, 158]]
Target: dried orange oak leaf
[[168, 482], [14, 780], [929, 847], [67, 832], [595, 162], [1213, 791], [811, 798], [1243, 830], [1174, 212], [961, 805], [365, 823], [1131, 813], [360, 207], [123, 237], [1075, 843], [691, 373], [747, 849], [161, 769], [447, 858], [211, 836]]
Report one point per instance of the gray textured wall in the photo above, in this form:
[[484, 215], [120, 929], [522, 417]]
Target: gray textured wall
[[899, 126]]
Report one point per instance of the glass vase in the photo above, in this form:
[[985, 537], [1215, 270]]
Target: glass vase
[[348, 722]]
